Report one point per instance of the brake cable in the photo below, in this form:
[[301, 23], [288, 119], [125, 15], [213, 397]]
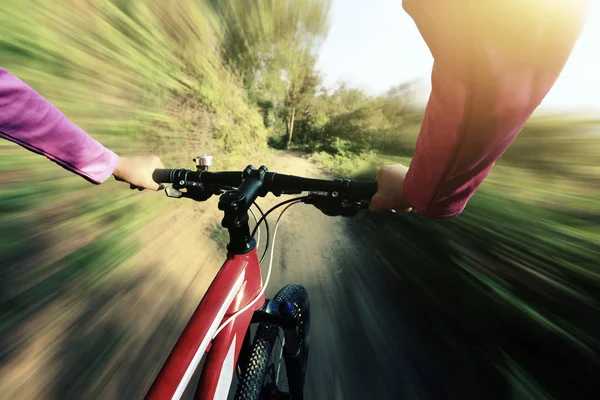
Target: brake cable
[[266, 283], [264, 217]]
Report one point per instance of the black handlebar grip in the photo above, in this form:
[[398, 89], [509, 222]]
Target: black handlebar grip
[[362, 190], [163, 175]]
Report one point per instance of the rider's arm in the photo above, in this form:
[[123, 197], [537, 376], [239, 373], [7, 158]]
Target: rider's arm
[[31, 121], [494, 63]]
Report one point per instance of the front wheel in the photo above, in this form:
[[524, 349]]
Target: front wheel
[[276, 366]]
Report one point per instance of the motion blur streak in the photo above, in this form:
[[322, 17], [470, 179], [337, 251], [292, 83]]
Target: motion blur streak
[[97, 282]]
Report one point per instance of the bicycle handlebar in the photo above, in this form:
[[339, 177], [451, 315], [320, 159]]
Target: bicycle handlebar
[[239, 190], [351, 190]]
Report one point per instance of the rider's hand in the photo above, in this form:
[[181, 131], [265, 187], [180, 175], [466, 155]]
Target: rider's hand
[[390, 196], [137, 171]]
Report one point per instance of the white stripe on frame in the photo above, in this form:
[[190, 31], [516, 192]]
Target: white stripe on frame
[[204, 344], [226, 374]]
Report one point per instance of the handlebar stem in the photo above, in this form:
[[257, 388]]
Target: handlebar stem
[[235, 204]]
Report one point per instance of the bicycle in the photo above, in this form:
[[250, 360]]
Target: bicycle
[[220, 326]]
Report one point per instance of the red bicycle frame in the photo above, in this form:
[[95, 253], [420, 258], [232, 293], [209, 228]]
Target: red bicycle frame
[[235, 286]]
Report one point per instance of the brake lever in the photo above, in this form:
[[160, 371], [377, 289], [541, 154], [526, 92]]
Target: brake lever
[[173, 193], [332, 205], [193, 190]]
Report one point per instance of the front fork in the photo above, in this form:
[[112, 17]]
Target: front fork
[[283, 314]]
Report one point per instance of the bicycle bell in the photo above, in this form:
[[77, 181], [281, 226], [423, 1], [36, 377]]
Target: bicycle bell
[[203, 162]]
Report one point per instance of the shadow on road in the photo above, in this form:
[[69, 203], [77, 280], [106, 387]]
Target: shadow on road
[[399, 318]]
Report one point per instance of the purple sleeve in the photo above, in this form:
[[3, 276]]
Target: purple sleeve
[[31, 121]]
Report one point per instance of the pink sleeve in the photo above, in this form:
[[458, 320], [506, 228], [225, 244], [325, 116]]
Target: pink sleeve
[[494, 62], [31, 121]]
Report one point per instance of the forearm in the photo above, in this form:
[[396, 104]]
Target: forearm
[[31, 121], [465, 130], [484, 88]]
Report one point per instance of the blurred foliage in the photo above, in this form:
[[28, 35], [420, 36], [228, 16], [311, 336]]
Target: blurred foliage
[[562, 146], [140, 76], [273, 47], [151, 76]]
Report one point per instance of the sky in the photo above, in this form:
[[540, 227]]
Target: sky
[[374, 45]]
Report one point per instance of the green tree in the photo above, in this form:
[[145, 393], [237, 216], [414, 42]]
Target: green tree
[[268, 31], [302, 83], [272, 46]]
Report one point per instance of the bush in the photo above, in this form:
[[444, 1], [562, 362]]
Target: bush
[[350, 165]]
